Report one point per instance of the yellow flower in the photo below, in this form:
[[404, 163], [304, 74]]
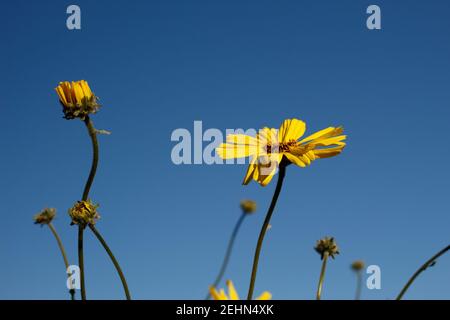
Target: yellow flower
[[84, 213], [77, 99], [271, 146], [232, 294]]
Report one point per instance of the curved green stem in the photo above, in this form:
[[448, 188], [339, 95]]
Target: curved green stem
[[63, 253], [322, 275], [228, 252], [113, 259], [427, 264], [281, 175], [93, 135]]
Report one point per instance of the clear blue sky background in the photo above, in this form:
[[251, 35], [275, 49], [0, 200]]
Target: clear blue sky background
[[160, 65]]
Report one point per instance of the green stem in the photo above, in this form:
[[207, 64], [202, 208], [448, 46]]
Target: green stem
[[113, 259], [281, 175], [228, 252], [63, 253], [427, 264], [93, 135], [81, 261], [322, 275], [358, 285]]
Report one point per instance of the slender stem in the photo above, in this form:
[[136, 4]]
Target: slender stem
[[63, 253], [81, 261], [93, 135], [427, 264], [358, 285], [228, 252], [322, 275], [113, 259], [281, 174]]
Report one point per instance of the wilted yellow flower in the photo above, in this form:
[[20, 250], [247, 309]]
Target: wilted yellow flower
[[271, 146], [77, 99], [45, 216], [232, 293], [327, 245], [248, 206], [84, 213]]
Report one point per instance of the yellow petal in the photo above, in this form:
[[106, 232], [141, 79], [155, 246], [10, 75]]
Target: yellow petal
[[330, 141], [266, 295], [61, 95], [78, 92], [232, 291], [310, 154], [296, 160], [86, 90], [67, 92], [232, 151], [267, 170], [214, 294], [251, 171], [324, 133], [223, 295], [267, 136], [327, 153], [291, 129], [217, 295], [242, 139]]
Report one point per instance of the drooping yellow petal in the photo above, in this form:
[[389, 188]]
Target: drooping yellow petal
[[328, 153], [295, 159], [268, 167], [291, 129], [232, 293], [329, 141], [266, 295], [324, 133], [251, 171]]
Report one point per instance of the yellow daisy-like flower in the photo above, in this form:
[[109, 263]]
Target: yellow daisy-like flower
[[232, 293], [271, 146], [77, 99]]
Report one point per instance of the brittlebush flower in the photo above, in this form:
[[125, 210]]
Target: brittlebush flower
[[271, 146], [77, 99], [84, 213], [45, 216], [327, 245], [232, 293]]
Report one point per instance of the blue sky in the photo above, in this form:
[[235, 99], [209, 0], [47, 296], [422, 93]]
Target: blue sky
[[161, 65]]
